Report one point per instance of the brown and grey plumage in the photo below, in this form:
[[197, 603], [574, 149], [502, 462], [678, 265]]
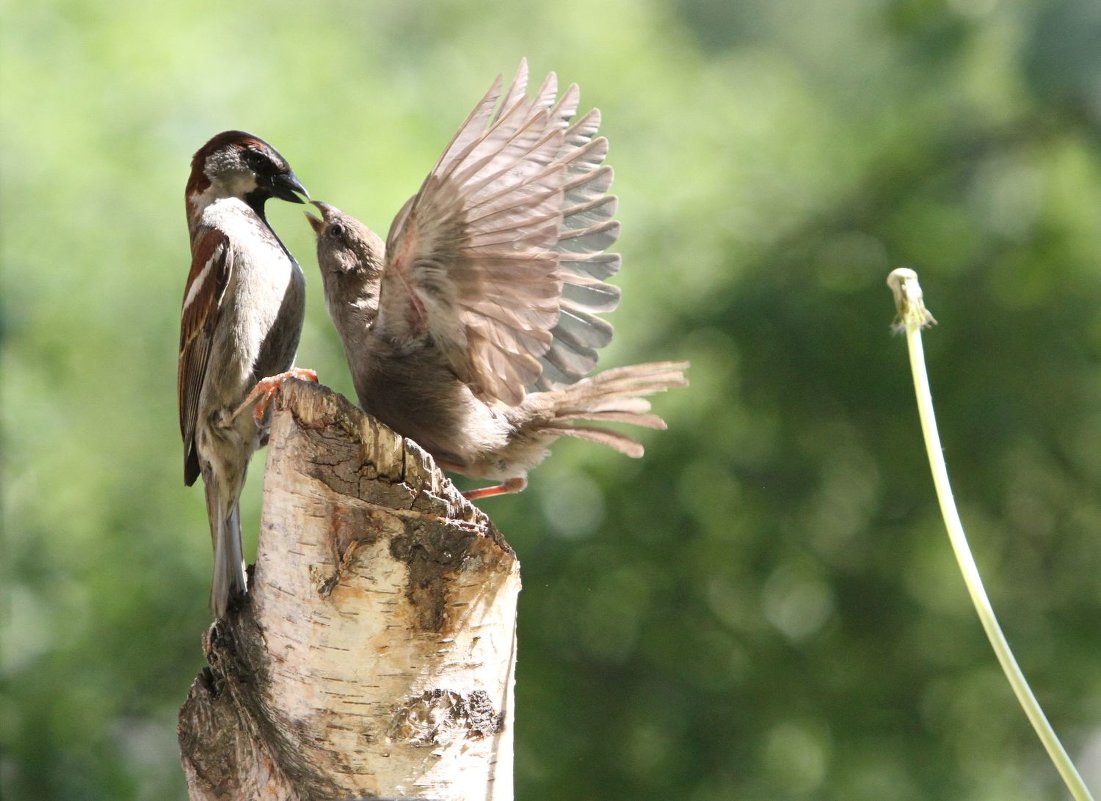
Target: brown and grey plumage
[[240, 322], [472, 328]]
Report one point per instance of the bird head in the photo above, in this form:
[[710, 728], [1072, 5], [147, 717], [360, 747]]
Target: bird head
[[351, 258], [238, 164], [345, 246]]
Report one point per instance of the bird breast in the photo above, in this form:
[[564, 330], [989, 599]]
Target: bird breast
[[264, 276]]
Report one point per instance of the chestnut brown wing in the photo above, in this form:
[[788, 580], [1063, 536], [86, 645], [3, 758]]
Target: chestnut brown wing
[[211, 267]]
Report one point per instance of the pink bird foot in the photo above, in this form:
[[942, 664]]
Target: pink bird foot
[[265, 390], [509, 487]]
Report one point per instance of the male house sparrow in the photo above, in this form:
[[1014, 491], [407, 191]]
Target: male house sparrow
[[471, 329], [240, 322]]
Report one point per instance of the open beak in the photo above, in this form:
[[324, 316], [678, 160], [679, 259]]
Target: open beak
[[316, 223]]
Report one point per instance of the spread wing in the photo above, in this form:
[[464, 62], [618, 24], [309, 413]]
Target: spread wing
[[499, 258], [211, 266]]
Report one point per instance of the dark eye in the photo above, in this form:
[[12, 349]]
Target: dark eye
[[337, 230], [256, 160]]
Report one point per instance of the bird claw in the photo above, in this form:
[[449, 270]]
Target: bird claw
[[508, 487], [265, 389]]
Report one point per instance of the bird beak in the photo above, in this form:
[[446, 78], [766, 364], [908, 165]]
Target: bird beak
[[286, 186], [317, 224]]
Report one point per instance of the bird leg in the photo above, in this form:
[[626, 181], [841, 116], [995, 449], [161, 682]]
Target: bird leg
[[266, 388], [505, 488]]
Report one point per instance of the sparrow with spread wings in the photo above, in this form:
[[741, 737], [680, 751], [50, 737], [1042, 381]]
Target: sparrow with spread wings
[[471, 330]]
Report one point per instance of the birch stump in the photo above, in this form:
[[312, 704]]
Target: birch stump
[[374, 654]]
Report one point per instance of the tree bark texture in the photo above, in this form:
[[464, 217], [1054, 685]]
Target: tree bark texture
[[374, 654]]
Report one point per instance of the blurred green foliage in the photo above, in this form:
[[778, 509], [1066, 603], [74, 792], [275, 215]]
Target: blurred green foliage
[[765, 607]]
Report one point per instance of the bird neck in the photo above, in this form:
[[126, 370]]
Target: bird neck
[[201, 192], [355, 315]]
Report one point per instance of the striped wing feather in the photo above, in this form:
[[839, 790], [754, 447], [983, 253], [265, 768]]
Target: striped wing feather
[[499, 257], [211, 267]]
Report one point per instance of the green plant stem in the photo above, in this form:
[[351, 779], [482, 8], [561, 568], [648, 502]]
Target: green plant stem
[[913, 317]]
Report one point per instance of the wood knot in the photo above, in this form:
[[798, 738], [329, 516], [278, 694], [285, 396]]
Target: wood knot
[[439, 717]]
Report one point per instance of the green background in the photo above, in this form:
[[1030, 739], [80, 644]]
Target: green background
[[766, 606]]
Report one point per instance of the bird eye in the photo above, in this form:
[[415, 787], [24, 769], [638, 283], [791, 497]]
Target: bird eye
[[337, 229], [256, 159]]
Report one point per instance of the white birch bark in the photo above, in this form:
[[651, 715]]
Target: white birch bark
[[375, 652]]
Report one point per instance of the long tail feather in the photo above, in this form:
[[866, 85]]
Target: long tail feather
[[613, 396], [229, 565], [613, 439]]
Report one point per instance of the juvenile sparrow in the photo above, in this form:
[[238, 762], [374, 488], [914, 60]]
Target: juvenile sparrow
[[240, 323], [472, 328]]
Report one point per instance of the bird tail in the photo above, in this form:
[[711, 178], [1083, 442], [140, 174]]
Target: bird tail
[[613, 396], [229, 563]]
